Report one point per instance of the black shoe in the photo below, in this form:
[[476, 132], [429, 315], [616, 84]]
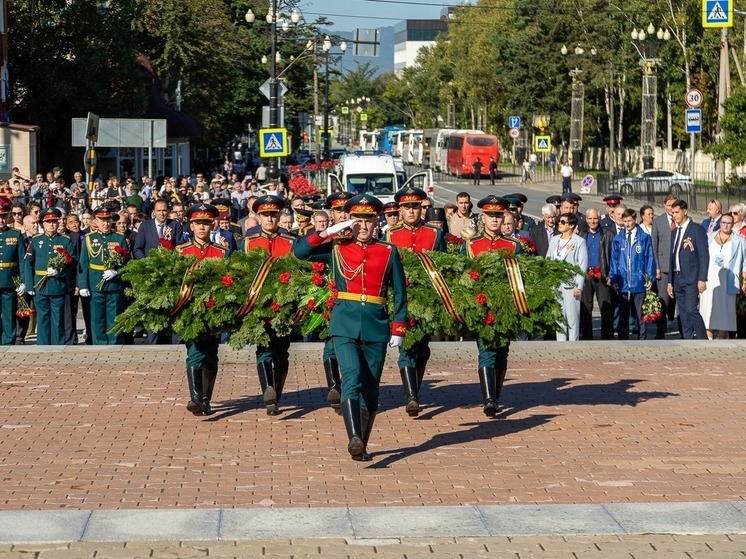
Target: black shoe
[[409, 382], [351, 415], [488, 384]]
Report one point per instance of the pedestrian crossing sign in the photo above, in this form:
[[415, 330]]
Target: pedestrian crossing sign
[[542, 144], [273, 142], [717, 13]]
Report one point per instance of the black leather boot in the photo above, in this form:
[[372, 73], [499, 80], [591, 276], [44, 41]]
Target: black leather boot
[[420, 376], [500, 381], [487, 380], [280, 377], [367, 418], [267, 382], [196, 394], [409, 382], [351, 415], [208, 384], [334, 382]]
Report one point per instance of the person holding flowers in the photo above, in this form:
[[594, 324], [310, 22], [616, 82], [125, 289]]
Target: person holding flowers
[[102, 254], [632, 273], [12, 250], [272, 362], [364, 269], [48, 261], [492, 364], [414, 234], [202, 354]]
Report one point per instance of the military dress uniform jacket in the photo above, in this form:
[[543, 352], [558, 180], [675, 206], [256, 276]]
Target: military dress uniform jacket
[[12, 250], [41, 249], [209, 250], [277, 244], [95, 248], [485, 242], [363, 275], [416, 238]]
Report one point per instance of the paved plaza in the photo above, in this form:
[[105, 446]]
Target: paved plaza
[[604, 449]]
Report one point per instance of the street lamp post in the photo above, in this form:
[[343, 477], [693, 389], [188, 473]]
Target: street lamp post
[[577, 108], [273, 171], [327, 46], [647, 45]]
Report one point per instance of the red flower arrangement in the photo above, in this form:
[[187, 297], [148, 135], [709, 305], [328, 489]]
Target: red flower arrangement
[[490, 319], [330, 300], [165, 243], [474, 275], [327, 164], [481, 299], [210, 303], [312, 166], [274, 306], [66, 255], [318, 266], [594, 272], [317, 280], [527, 245], [227, 281], [411, 322], [454, 240], [300, 185], [311, 304], [57, 262], [284, 277], [293, 169]]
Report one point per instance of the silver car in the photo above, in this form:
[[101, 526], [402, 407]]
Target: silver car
[[652, 181]]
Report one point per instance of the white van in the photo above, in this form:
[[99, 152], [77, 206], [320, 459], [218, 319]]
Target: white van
[[376, 174]]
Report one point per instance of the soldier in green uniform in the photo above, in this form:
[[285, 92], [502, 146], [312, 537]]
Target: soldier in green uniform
[[364, 270], [99, 279], [50, 288], [12, 250]]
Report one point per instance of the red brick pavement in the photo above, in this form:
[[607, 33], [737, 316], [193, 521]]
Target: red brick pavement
[[84, 429]]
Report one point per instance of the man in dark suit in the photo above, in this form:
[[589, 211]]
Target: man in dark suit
[[608, 221], [544, 230], [689, 260], [662, 227], [714, 213], [151, 232], [598, 242]]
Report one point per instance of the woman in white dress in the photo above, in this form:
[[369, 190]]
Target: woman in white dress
[[717, 304], [647, 215], [570, 247]]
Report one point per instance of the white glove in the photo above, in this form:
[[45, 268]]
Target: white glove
[[51, 272], [31, 293], [21, 291], [109, 274], [84, 292], [395, 341], [337, 227]]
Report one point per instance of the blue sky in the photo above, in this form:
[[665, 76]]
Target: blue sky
[[351, 14]]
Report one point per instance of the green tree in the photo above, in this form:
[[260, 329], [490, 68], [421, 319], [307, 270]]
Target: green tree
[[733, 146]]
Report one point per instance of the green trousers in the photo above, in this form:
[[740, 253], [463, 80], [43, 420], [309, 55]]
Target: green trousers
[[361, 366], [495, 358], [105, 307], [416, 356], [203, 353], [8, 322], [50, 320]]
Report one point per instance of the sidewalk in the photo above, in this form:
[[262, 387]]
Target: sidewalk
[[605, 449]]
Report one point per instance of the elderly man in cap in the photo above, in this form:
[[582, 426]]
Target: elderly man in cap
[[364, 268], [608, 221], [272, 362], [98, 277], [202, 354], [390, 215], [521, 199], [493, 363], [49, 259], [12, 250], [570, 203], [413, 234]]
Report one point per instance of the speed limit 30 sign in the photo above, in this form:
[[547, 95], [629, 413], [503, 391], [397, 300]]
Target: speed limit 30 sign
[[694, 98]]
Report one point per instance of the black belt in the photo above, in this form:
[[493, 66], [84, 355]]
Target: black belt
[[677, 273]]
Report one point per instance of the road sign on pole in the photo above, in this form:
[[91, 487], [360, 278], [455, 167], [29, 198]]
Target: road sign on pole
[[282, 89], [514, 122], [542, 144], [273, 142], [717, 13], [693, 121], [694, 98]]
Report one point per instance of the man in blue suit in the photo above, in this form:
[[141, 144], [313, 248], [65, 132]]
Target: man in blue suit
[[714, 213], [152, 231], [690, 259]]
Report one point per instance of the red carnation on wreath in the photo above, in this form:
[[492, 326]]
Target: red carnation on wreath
[[333, 286], [326, 315], [318, 266], [474, 275], [165, 243], [227, 281], [411, 322], [481, 299], [311, 304], [406, 282], [330, 301], [210, 303], [284, 277], [490, 319], [274, 306], [317, 280]]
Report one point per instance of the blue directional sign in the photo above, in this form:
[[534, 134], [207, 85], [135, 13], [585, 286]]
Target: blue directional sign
[[717, 13], [693, 121], [514, 122], [273, 142]]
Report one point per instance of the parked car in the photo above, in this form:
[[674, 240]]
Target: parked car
[[652, 181]]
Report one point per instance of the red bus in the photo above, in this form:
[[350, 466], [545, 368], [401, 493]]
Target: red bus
[[463, 150]]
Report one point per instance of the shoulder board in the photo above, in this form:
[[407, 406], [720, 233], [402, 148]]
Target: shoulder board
[[252, 236], [38, 235], [286, 236], [184, 245], [398, 225], [433, 227], [219, 246], [386, 244]]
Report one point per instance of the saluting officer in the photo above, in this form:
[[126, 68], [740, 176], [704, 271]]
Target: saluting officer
[[107, 301], [272, 362], [336, 203], [202, 354], [12, 250], [413, 234], [49, 298], [493, 363], [363, 268]]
